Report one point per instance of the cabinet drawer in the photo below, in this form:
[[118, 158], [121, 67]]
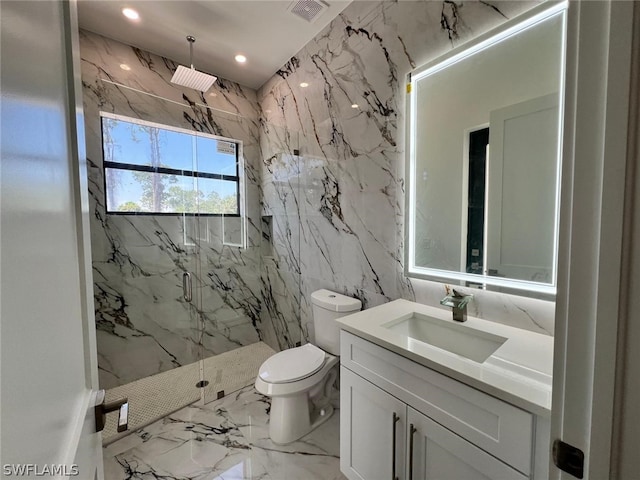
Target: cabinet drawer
[[497, 427]]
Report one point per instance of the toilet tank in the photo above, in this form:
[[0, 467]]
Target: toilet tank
[[327, 306]]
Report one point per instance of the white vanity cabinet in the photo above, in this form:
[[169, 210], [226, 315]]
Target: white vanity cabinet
[[372, 430], [444, 428]]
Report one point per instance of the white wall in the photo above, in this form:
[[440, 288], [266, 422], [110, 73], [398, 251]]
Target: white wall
[[47, 374]]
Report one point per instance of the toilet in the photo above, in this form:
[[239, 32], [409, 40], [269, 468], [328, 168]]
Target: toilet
[[299, 380]]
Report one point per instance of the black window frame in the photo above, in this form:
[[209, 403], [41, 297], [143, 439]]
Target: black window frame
[[170, 171]]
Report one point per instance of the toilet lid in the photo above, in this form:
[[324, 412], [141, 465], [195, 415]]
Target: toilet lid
[[292, 364]]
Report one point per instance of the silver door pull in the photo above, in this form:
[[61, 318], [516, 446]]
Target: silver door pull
[[412, 431], [186, 287], [395, 419], [102, 408]]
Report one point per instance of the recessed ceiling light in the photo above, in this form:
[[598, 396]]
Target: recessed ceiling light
[[130, 13], [304, 84], [213, 94], [241, 58], [355, 105], [124, 66]]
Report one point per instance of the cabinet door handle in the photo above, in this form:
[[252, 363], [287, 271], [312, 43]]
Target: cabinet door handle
[[412, 430], [393, 458]]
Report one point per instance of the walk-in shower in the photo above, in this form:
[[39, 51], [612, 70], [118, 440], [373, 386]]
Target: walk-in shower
[[185, 288]]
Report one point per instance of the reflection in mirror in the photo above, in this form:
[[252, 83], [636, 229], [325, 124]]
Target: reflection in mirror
[[484, 159]]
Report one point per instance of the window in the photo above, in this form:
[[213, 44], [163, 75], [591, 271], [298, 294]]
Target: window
[[161, 170]]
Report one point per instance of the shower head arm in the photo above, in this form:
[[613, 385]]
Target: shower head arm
[[191, 39]]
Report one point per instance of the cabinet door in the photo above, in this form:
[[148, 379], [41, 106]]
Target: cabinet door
[[372, 430], [436, 453]]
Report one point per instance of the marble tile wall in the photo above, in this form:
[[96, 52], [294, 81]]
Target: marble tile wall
[[325, 171], [337, 207], [143, 324], [281, 189]]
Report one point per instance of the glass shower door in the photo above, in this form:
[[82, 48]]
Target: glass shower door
[[224, 296], [142, 251]]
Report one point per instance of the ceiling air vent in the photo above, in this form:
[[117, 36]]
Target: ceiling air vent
[[310, 10]]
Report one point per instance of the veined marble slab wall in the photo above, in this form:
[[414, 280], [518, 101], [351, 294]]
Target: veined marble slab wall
[[143, 324], [282, 261], [338, 206], [325, 167]]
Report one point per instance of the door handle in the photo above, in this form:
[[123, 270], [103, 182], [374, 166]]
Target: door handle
[[102, 408], [186, 287], [393, 458], [412, 431]]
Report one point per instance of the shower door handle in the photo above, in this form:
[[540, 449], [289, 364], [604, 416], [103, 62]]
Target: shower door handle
[[186, 287]]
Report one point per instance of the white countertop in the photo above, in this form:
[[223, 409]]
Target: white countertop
[[519, 371]]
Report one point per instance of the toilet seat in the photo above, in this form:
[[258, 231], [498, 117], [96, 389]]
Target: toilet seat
[[292, 364]]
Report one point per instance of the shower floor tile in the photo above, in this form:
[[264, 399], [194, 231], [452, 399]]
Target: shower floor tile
[[224, 440], [148, 398]]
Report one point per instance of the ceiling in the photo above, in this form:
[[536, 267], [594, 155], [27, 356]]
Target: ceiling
[[264, 31]]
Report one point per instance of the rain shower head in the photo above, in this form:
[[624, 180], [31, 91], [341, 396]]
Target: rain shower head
[[190, 77]]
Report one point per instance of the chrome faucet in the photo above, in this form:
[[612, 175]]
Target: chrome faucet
[[458, 303]]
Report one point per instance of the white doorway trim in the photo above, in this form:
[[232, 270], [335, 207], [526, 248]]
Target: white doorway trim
[[592, 202]]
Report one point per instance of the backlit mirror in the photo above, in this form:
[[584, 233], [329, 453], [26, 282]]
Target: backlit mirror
[[484, 158]]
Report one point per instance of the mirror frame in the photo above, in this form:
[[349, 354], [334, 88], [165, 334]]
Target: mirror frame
[[509, 28]]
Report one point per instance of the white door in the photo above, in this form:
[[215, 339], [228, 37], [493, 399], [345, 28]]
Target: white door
[[48, 350], [590, 280], [521, 190], [372, 430], [436, 453]]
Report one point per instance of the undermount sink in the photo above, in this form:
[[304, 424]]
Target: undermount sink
[[452, 337]]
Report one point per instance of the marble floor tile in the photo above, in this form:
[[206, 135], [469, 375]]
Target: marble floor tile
[[224, 440]]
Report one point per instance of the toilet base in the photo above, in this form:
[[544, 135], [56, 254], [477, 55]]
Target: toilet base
[[299, 407], [292, 418]]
